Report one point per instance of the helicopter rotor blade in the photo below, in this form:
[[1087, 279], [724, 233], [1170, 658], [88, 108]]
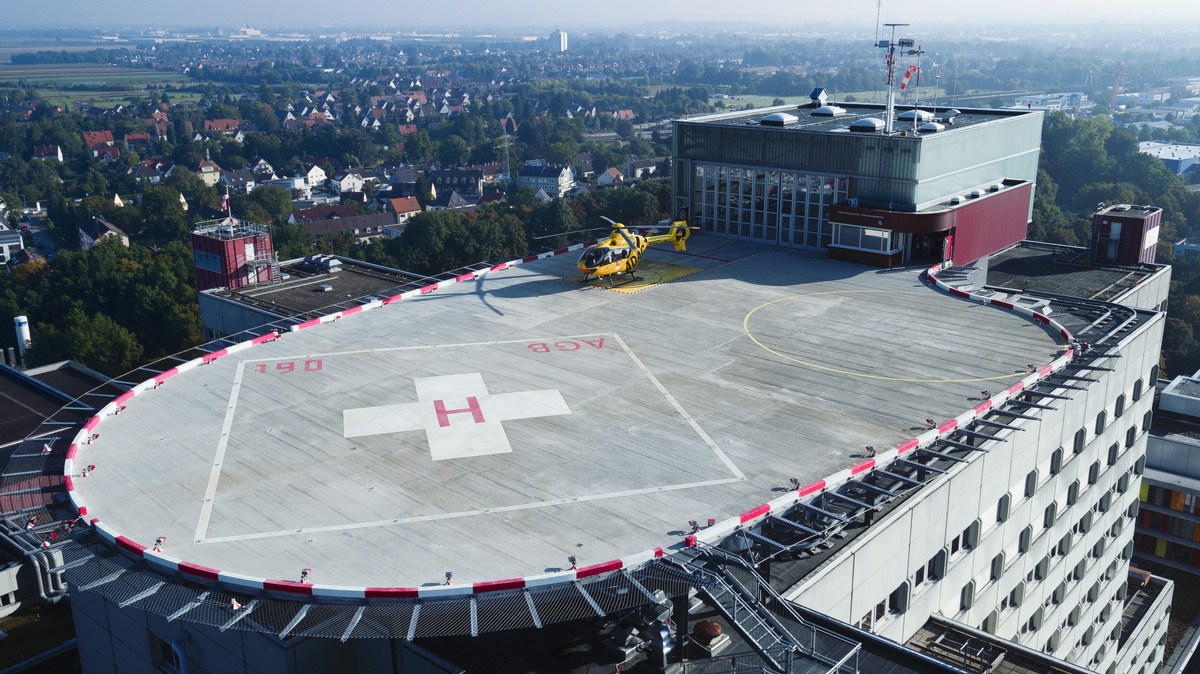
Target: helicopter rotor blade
[[573, 231], [625, 235]]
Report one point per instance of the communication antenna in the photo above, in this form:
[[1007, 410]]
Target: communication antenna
[[907, 47], [878, 12]]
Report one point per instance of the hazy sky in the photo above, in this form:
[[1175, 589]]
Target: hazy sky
[[270, 14]]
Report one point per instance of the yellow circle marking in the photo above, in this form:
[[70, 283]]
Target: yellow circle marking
[[851, 373]]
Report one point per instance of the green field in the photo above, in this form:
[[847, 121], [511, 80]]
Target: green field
[[104, 84], [72, 74]]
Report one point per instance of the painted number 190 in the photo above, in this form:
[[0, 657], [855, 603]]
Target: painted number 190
[[290, 366]]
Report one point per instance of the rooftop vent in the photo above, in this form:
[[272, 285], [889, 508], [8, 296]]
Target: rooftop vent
[[975, 194], [819, 96], [828, 111], [994, 187], [949, 115], [954, 201], [932, 127], [867, 125], [917, 115], [324, 288], [1121, 208], [778, 119]]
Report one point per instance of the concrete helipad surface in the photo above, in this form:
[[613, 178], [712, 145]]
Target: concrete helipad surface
[[495, 427]]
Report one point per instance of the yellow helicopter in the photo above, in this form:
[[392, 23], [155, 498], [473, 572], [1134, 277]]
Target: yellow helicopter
[[622, 250]]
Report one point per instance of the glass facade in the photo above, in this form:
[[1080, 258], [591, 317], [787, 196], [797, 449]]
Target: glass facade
[[1168, 525], [783, 207]]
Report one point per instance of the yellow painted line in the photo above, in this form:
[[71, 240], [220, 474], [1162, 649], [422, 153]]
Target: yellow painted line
[[852, 373]]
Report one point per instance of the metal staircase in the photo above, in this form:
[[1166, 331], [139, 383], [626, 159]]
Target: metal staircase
[[785, 641]]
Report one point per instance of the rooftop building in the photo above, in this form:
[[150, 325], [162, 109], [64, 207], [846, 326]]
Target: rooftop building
[[947, 183]]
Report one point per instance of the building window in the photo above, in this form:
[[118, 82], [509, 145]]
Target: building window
[[1025, 540], [998, 566], [1002, 508], [1031, 481], [967, 596], [1094, 473], [1131, 436], [1050, 515], [1073, 493], [1080, 440], [1147, 418], [1153, 378], [1113, 452], [1137, 390], [871, 239], [1119, 407], [1056, 460], [1101, 420]]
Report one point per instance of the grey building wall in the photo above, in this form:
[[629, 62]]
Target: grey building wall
[[128, 640], [1079, 560], [898, 172]]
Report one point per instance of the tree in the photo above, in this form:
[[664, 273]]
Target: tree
[[164, 219], [419, 146], [96, 341], [453, 151]]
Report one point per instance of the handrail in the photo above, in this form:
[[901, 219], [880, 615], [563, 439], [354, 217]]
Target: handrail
[[838, 665], [784, 606]]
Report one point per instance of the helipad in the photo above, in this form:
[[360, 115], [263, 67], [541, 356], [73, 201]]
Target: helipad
[[494, 427]]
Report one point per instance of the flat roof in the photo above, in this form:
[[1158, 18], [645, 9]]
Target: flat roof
[[498, 425], [1061, 270], [1169, 150], [302, 292], [853, 111]]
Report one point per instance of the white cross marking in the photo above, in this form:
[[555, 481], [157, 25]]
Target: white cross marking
[[460, 418]]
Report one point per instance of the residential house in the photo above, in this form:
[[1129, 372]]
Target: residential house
[[404, 182], [228, 127], [555, 179], [640, 168], [583, 165], [259, 166], [137, 142], [403, 208], [297, 186], [106, 153], [93, 138], [467, 182], [98, 229], [611, 177], [209, 172], [407, 130], [323, 213], [365, 227], [242, 180], [314, 175], [48, 153], [23, 257], [452, 200], [159, 124], [151, 170], [350, 180], [493, 172]]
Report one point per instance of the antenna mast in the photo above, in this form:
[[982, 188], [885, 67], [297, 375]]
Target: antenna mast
[[906, 46]]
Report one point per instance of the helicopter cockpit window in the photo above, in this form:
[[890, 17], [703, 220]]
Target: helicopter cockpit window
[[596, 257], [620, 253]]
